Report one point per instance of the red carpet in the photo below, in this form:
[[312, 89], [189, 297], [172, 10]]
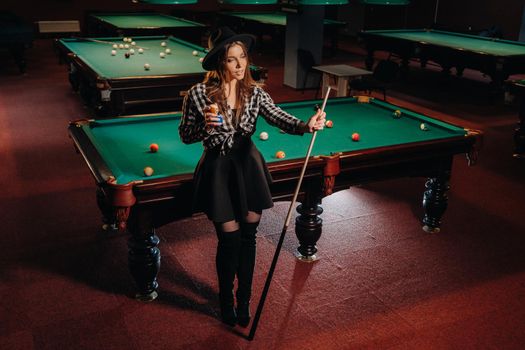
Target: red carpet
[[381, 282]]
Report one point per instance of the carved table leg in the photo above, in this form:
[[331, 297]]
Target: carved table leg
[[308, 225], [144, 256], [519, 132], [435, 200]]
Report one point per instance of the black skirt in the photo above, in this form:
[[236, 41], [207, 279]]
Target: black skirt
[[227, 186]]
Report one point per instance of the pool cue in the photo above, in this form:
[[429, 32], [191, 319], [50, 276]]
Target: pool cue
[[283, 232]]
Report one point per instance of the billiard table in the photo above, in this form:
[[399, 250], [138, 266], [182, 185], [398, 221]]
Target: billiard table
[[16, 36], [517, 87], [116, 150], [111, 85], [142, 24], [496, 58], [273, 24]]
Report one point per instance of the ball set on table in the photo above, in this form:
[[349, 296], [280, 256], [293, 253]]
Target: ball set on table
[[130, 44]]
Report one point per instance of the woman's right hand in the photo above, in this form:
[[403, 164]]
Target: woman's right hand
[[212, 117]]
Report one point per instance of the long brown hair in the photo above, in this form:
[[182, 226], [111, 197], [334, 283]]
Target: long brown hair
[[215, 80]]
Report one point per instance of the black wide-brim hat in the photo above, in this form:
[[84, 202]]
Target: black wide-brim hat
[[219, 39]]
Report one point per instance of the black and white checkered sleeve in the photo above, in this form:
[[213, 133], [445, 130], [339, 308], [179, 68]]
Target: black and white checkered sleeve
[[275, 116], [192, 127]]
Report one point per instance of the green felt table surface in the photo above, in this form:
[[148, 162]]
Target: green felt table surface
[[496, 47], [96, 53], [124, 142], [145, 20], [274, 18]]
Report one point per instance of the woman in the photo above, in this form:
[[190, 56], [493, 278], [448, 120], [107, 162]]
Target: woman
[[231, 180]]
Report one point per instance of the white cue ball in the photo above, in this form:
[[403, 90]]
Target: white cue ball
[[195, 53], [147, 66], [113, 52], [201, 59], [423, 126], [168, 51], [141, 50], [132, 51], [163, 44], [121, 46], [263, 136], [115, 46], [148, 171], [162, 55]]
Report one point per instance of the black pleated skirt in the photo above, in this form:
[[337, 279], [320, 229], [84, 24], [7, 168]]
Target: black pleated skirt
[[227, 186]]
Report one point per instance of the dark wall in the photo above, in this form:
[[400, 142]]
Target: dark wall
[[460, 14]]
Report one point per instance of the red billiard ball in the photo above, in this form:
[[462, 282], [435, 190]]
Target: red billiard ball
[[280, 155], [153, 147], [329, 123], [355, 136]]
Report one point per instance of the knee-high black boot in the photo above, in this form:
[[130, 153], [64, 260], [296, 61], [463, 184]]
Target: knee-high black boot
[[245, 272], [227, 259]]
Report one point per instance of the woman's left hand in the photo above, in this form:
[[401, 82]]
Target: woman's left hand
[[316, 122]]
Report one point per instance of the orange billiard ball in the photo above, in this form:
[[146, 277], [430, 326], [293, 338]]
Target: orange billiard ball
[[148, 171], [280, 155], [355, 136], [153, 147], [329, 123]]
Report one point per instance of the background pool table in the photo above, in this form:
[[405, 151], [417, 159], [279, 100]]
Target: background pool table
[[495, 57], [142, 24], [274, 25], [117, 150], [113, 84]]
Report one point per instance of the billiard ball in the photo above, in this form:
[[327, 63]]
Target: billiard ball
[[133, 43], [113, 52], [163, 44], [121, 46], [126, 54], [168, 51], [126, 46], [147, 66], [153, 147], [162, 55], [280, 155], [329, 123], [263, 136], [124, 39], [148, 171], [130, 40], [131, 51], [195, 53], [355, 136], [201, 59], [115, 46], [141, 50], [397, 113], [423, 127]]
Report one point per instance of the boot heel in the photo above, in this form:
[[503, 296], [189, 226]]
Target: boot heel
[[228, 314], [243, 314]]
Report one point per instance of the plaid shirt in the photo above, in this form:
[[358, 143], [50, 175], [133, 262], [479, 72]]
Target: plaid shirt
[[192, 126]]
